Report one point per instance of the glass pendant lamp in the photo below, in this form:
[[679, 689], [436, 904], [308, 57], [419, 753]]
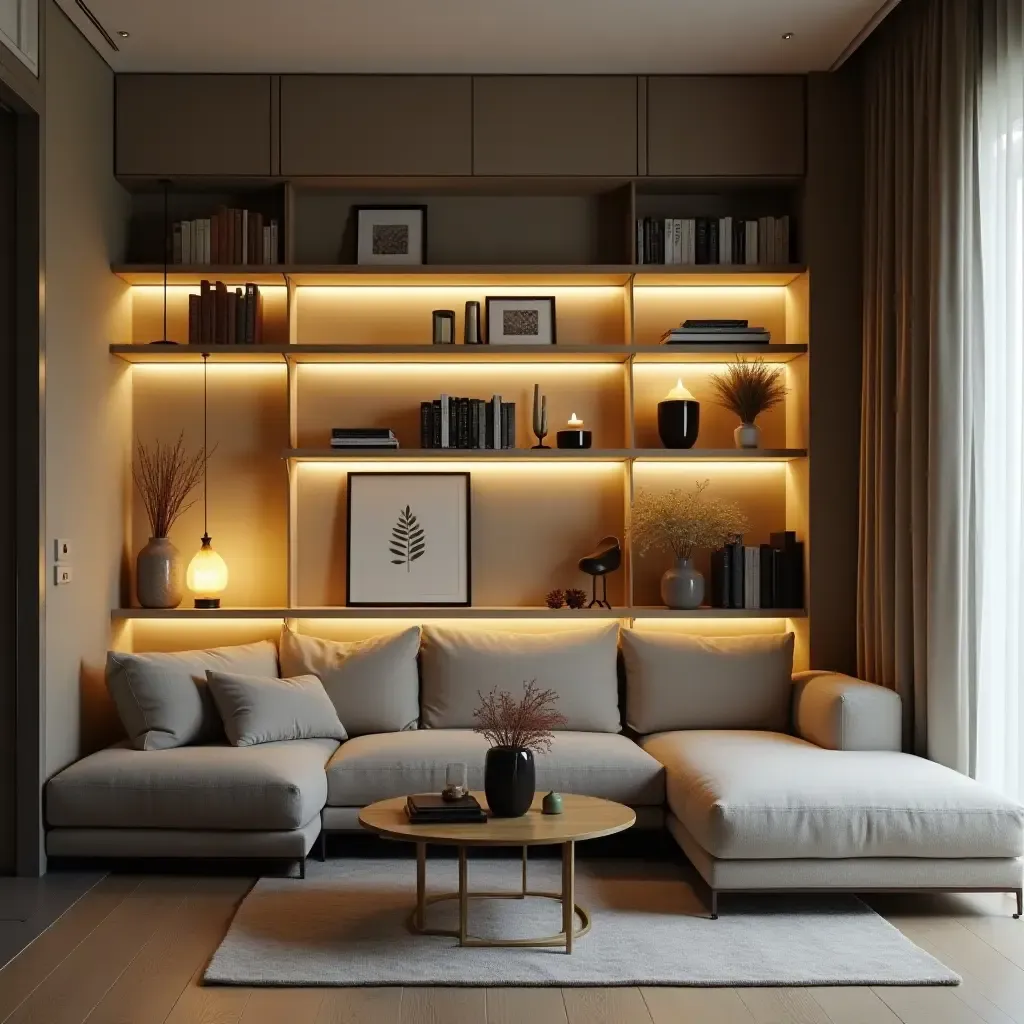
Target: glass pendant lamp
[[207, 575]]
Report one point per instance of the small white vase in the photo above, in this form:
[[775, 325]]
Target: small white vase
[[158, 574], [682, 587], [747, 435]]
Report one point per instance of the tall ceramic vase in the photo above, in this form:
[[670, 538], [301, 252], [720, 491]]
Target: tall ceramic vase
[[682, 587], [158, 574], [747, 435]]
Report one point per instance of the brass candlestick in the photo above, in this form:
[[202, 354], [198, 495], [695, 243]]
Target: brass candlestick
[[540, 417]]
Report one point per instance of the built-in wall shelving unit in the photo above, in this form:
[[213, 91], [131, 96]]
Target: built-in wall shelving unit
[[348, 345]]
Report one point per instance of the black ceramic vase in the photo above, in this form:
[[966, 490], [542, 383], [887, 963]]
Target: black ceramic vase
[[510, 781], [678, 422]]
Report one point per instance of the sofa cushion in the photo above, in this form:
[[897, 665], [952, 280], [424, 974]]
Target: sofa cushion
[[271, 786], [374, 684], [255, 709], [580, 666], [163, 699], [762, 795], [674, 681], [373, 768]]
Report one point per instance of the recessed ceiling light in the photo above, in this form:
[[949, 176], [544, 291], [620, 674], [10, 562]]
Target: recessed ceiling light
[[787, 36], [123, 35]]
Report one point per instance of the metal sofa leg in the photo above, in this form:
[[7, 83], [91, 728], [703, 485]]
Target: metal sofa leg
[[1020, 904]]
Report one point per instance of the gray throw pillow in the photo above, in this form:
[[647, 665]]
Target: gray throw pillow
[[163, 700], [257, 709], [579, 665], [675, 681], [374, 684]]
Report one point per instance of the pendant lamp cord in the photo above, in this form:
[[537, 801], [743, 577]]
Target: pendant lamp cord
[[206, 451]]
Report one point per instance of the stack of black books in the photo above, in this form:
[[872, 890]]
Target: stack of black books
[[727, 332], [452, 422], [363, 437], [431, 809]]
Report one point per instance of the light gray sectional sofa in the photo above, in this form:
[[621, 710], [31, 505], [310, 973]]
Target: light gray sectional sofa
[[768, 781]]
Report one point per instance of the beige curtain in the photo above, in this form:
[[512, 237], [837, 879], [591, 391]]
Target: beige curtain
[[916, 587]]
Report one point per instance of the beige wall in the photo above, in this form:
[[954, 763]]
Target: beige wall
[[87, 420]]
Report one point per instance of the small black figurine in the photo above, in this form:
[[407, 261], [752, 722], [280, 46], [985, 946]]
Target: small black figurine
[[605, 558]]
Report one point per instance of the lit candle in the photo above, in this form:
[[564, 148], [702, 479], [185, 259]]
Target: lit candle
[[575, 424], [679, 393]]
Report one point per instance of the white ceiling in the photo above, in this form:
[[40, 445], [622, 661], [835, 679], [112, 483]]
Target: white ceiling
[[525, 36]]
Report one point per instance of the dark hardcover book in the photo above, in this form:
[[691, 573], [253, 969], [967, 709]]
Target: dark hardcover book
[[769, 596], [195, 323], [426, 426], [206, 313], [646, 257], [715, 325], [238, 338], [435, 420], [739, 238], [250, 314], [463, 422], [721, 572], [259, 315], [232, 319], [783, 540], [474, 423], [779, 578], [508, 424], [713, 247], [453, 422], [737, 573], [426, 802], [702, 246], [481, 424]]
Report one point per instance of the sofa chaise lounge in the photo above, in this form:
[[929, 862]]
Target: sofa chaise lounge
[[768, 781]]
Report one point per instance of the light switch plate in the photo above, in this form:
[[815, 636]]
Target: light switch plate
[[61, 574], [62, 550]]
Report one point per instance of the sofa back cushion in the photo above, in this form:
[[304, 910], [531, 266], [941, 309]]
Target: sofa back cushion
[[260, 709], [580, 666], [674, 681], [373, 684], [163, 699]]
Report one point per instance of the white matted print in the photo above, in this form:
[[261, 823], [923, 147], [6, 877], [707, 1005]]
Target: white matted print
[[392, 236], [521, 321], [408, 539]]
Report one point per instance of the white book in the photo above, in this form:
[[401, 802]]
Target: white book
[[496, 420], [752, 577], [445, 414]]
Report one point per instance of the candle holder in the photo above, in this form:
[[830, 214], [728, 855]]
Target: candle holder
[[574, 438], [540, 417]]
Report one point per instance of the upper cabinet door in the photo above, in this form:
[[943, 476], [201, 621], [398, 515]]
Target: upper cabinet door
[[709, 125], [376, 125], [555, 125], [193, 124]]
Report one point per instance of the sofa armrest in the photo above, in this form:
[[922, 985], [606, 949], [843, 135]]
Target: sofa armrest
[[839, 712]]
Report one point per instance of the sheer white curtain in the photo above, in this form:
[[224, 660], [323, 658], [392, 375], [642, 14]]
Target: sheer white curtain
[[999, 421]]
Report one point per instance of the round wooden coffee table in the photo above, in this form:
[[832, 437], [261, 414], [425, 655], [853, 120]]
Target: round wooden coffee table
[[582, 817]]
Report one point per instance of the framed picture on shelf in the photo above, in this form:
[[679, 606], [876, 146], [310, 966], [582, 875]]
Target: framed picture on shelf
[[391, 235], [409, 541], [521, 321]]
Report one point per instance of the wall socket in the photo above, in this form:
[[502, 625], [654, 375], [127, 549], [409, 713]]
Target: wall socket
[[62, 550], [61, 574]]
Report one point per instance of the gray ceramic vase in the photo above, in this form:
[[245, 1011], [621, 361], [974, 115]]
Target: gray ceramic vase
[[682, 587], [747, 435], [158, 574]]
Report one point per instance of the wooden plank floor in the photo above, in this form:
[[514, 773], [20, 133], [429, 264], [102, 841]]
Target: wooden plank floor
[[132, 950]]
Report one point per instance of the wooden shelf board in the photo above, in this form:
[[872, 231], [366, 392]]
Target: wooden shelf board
[[439, 275], [549, 455], [186, 614], [453, 353]]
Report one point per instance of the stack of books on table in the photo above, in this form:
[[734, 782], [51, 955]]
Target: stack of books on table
[[363, 437], [431, 809], [716, 332]]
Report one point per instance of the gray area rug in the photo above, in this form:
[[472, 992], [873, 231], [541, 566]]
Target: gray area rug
[[345, 924]]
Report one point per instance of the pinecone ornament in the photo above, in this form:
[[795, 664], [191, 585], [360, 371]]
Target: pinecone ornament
[[555, 599]]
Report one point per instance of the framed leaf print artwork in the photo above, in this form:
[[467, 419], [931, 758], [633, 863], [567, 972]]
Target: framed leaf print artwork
[[408, 540]]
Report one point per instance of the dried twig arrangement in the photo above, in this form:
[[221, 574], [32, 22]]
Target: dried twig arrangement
[[683, 521], [527, 723], [165, 476], [749, 388]]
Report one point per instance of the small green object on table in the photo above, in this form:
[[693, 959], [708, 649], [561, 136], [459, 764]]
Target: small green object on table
[[552, 803]]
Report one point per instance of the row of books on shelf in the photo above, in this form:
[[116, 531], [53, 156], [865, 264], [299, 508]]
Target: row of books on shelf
[[759, 576], [452, 422], [217, 316], [712, 332], [229, 237], [728, 241]]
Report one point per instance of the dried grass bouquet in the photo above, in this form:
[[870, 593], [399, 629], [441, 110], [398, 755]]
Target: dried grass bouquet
[[682, 521], [165, 477], [749, 388], [527, 723]]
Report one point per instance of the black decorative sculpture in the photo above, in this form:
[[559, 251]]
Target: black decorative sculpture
[[605, 558]]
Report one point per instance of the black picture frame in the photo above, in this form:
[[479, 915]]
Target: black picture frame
[[468, 543], [358, 211], [547, 299]]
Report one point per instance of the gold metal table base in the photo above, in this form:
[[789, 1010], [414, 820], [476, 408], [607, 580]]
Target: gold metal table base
[[570, 909]]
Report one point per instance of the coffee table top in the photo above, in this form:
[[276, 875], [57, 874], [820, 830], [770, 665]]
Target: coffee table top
[[582, 817]]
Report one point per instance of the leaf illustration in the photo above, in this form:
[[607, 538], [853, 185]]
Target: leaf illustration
[[408, 539]]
